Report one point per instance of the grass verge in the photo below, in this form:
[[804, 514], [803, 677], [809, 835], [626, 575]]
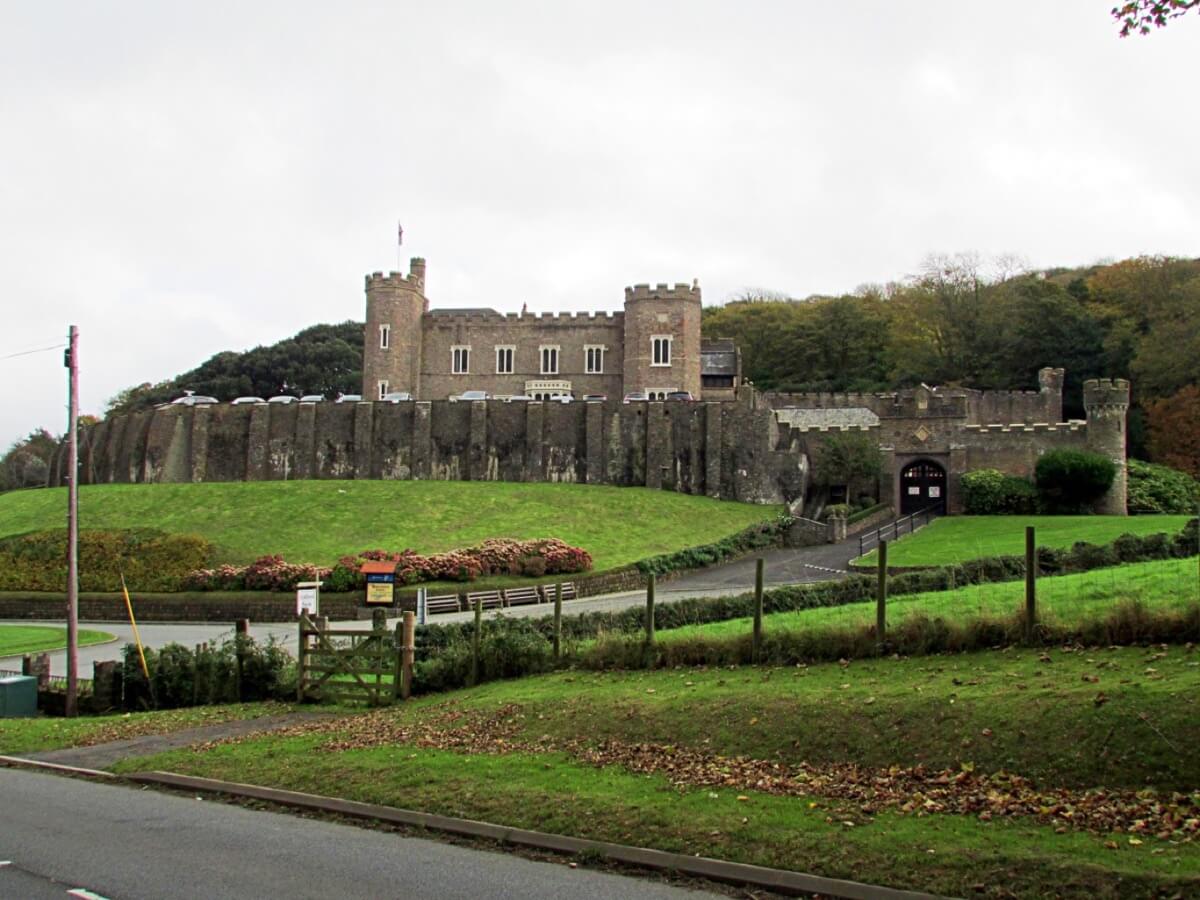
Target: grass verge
[[956, 539], [18, 639], [509, 752]]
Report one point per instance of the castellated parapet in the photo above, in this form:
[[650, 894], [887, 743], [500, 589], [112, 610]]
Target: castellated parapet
[[392, 342]]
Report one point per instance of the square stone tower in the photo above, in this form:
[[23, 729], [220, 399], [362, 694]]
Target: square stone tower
[[662, 339]]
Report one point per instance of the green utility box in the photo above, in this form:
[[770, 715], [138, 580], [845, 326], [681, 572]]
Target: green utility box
[[18, 697]]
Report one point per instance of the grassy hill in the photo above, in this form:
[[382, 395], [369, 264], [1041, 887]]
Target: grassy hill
[[318, 521], [956, 539]]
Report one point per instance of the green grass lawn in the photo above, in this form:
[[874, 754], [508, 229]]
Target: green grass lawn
[[955, 539], [18, 639], [1066, 600], [509, 752], [318, 521]]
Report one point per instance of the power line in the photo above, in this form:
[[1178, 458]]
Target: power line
[[35, 350]]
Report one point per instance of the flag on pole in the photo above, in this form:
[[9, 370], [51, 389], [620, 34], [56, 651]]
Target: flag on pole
[[399, 235]]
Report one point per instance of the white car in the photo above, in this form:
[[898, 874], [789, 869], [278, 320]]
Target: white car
[[517, 398], [397, 397], [282, 398], [242, 401], [313, 398], [467, 396], [349, 398], [194, 400]]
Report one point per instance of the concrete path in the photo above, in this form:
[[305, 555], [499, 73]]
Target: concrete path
[[65, 834], [101, 756], [807, 564]]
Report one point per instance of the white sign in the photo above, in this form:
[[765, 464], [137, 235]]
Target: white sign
[[308, 598]]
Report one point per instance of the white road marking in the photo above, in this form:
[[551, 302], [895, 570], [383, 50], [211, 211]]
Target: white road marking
[[85, 894]]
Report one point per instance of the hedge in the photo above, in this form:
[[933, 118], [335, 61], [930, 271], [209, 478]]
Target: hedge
[[764, 534], [1160, 489]]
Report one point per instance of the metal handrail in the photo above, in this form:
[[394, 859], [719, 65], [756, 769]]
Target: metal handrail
[[896, 527]]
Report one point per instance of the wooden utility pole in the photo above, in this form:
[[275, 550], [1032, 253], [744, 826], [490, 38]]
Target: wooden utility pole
[[72, 363], [408, 654], [1030, 583], [758, 608], [650, 610]]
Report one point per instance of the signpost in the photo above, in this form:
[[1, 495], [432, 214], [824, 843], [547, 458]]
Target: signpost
[[381, 582], [308, 598]]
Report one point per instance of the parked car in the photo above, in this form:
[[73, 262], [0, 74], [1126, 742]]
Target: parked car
[[685, 396], [590, 397], [467, 396], [636, 397], [242, 401], [282, 398], [313, 398], [191, 399], [348, 398], [563, 398], [516, 398], [397, 397]]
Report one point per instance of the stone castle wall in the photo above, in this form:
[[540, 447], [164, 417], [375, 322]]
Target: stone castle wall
[[722, 450]]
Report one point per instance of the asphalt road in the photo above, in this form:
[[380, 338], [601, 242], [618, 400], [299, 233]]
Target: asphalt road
[[66, 837], [783, 566]]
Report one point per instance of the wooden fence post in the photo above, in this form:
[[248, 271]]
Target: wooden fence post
[[650, 610], [881, 598], [398, 672], [301, 653], [241, 634], [407, 654], [475, 640], [759, 565], [1030, 583], [558, 620]]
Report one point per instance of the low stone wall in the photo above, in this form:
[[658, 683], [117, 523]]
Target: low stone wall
[[870, 522]]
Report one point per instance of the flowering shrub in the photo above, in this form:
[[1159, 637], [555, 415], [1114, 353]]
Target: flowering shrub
[[500, 556]]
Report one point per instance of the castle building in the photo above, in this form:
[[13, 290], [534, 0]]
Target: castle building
[[653, 345]]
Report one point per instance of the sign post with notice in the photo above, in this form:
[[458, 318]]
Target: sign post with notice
[[381, 582], [308, 598]]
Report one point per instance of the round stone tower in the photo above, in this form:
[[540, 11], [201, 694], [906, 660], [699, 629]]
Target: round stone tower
[[392, 342], [662, 338], [1106, 402]]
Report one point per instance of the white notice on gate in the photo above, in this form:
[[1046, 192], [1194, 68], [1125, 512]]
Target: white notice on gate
[[306, 600]]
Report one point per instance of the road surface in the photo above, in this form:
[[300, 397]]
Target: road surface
[[67, 838]]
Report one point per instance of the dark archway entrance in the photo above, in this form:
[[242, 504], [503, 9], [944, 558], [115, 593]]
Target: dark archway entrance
[[922, 485]]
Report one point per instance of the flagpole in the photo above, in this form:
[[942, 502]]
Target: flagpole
[[399, 244]]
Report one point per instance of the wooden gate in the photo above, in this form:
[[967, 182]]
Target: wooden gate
[[346, 664]]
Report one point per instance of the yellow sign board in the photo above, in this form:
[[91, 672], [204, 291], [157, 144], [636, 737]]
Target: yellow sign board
[[379, 592]]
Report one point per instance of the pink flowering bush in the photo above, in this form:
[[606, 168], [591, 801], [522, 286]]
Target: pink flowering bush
[[499, 556]]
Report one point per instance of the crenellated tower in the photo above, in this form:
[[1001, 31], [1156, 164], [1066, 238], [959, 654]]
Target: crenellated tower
[[392, 342], [662, 338], [1106, 402]]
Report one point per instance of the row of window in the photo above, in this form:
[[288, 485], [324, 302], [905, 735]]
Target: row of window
[[593, 364]]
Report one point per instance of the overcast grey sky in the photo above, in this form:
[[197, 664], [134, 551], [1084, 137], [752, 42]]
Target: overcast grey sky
[[183, 178]]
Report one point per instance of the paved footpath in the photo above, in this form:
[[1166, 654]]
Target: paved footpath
[[783, 566]]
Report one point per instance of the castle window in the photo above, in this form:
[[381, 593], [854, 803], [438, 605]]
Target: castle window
[[460, 360], [504, 360], [661, 350], [594, 364], [383, 389], [549, 360], [385, 337]]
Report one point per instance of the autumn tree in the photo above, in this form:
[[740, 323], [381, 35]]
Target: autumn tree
[[1141, 16], [1174, 426]]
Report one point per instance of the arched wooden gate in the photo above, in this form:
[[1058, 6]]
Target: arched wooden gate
[[922, 486]]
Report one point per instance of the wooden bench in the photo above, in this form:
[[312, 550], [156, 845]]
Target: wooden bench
[[522, 596], [489, 599], [441, 603], [568, 591]]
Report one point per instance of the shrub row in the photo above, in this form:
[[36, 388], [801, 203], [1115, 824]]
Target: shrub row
[[180, 676], [149, 559], [1066, 481], [989, 492], [763, 534], [494, 557]]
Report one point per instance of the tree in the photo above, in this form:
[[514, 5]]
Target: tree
[[27, 462], [850, 458], [1174, 426], [1140, 16]]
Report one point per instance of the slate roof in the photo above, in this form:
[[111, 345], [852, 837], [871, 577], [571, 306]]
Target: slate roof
[[465, 311]]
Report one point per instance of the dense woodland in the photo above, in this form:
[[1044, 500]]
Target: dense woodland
[[960, 321]]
